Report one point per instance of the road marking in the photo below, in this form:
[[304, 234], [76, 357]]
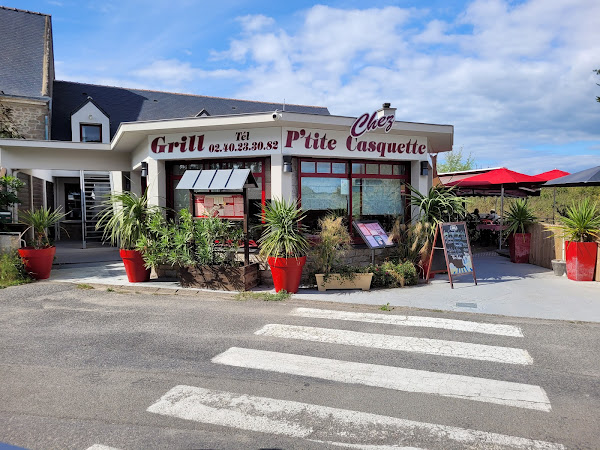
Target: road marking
[[335, 426], [411, 321], [401, 343], [408, 380], [101, 447]]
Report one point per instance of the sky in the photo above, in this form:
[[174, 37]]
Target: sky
[[515, 78]]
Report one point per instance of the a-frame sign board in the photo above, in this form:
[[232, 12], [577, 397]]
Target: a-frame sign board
[[454, 256]]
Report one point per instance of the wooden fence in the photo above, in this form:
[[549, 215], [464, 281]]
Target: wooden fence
[[544, 246]]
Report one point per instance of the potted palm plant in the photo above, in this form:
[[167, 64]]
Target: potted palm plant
[[283, 243], [440, 204], [518, 217], [124, 220], [333, 240], [581, 228], [38, 257]]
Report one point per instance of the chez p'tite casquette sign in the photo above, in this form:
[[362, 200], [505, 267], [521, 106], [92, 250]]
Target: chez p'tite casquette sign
[[357, 142]]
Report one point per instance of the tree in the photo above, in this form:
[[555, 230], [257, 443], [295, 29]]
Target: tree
[[7, 126], [9, 186], [454, 162]]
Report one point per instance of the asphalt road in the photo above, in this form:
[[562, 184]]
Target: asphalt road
[[92, 368]]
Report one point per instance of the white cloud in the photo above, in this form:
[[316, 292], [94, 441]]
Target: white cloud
[[255, 22], [173, 72]]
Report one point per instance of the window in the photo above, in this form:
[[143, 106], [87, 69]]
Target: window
[[90, 133], [357, 190], [177, 199], [72, 201]]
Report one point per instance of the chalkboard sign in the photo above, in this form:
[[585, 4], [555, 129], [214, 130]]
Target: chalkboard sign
[[454, 256]]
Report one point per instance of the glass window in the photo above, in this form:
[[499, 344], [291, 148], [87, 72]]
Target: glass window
[[375, 190], [358, 168], [338, 167], [91, 133], [181, 199], [372, 169], [378, 199], [307, 167], [322, 195], [323, 167], [72, 201], [385, 169], [255, 167], [179, 169]]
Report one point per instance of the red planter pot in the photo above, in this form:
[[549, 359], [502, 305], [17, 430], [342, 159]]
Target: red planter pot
[[134, 266], [581, 260], [519, 245], [38, 262], [287, 273]]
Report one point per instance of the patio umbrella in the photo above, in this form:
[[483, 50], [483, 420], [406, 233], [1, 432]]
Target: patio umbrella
[[551, 175], [588, 177], [500, 177]]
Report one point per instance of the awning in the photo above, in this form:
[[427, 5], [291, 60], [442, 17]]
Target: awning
[[223, 180]]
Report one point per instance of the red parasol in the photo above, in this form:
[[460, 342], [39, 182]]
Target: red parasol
[[496, 177], [499, 177], [551, 175]]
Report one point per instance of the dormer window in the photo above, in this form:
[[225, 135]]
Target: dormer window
[[89, 123], [90, 132]]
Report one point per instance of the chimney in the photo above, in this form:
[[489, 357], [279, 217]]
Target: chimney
[[386, 110]]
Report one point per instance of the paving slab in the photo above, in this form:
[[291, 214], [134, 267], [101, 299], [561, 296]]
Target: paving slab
[[503, 288]]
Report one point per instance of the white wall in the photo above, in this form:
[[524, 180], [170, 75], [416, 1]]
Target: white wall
[[420, 182], [89, 114], [281, 183]]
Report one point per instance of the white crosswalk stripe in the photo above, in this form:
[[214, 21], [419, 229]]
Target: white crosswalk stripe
[[353, 429], [400, 343], [333, 426], [407, 380], [411, 321]]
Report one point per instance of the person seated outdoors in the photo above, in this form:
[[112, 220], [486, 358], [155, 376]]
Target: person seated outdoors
[[493, 216]]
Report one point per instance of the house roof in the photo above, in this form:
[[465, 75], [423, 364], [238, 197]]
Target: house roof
[[22, 50], [130, 105]]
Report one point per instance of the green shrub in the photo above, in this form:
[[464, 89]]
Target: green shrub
[[12, 272], [188, 242], [391, 275]]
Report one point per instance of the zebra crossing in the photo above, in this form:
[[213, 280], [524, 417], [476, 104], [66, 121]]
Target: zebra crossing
[[355, 429]]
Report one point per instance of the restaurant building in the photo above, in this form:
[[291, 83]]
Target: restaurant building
[[83, 141]]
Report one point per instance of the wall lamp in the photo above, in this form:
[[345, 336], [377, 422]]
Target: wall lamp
[[144, 169], [287, 163], [424, 168]]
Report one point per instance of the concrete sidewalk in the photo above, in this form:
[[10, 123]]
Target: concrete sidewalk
[[504, 288]]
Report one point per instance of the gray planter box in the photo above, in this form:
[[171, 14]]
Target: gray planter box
[[559, 267]]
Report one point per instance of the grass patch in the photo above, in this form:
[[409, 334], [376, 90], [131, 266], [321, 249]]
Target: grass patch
[[265, 296], [84, 286], [110, 290], [12, 271], [386, 307]]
